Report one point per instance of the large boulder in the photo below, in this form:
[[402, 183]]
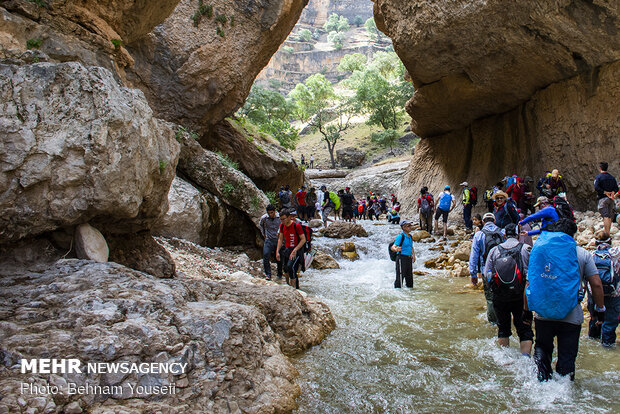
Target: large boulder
[[344, 230], [265, 162], [196, 69], [476, 126], [323, 261], [77, 147], [350, 157]]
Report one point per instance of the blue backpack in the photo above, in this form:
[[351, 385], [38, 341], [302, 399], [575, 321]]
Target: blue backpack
[[604, 265], [553, 275], [445, 202]]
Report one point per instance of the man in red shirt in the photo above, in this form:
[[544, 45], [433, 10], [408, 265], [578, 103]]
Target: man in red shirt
[[300, 199], [291, 239]]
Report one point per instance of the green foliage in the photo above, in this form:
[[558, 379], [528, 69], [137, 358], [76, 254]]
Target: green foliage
[[193, 135], [232, 21], [220, 31], [227, 189], [336, 23], [260, 149], [255, 201], [39, 3], [388, 64], [312, 96], [336, 39], [384, 100], [288, 50], [203, 10], [34, 43], [358, 21], [227, 161], [221, 18], [178, 134], [371, 28], [281, 130], [117, 43], [385, 138], [271, 196], [162, 166], [304, 35], [353, 62], [315, 100]]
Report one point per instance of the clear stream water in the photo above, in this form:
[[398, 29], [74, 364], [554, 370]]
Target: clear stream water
[[429, 349]]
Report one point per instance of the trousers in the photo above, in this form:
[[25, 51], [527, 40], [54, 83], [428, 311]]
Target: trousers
[[268, 249], [404, 269], [567, 335]]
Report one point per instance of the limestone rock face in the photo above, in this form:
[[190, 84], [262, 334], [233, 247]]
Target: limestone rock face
[[486, 57], [564, 126], [76, 147], [350, 157], [141, 252], [100, 312], [267, 164], [187, 211], [196, 74], [208, 171], [506, 87], [344, 230]]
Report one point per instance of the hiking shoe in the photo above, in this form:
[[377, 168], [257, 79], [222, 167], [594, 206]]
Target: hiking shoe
[[268, 277]]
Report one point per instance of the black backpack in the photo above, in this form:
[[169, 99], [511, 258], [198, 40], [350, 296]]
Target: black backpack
[[285, 197], [508, 282], [393, 254], [425, 206], [491, 239], [563, 208]]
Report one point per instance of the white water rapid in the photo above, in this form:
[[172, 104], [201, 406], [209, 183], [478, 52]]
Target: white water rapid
[[429, 349]]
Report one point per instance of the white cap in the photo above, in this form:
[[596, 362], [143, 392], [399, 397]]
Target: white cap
[[464, 184]]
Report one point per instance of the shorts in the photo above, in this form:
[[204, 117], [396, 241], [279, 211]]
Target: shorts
[[443, 214], [606, 207], [326, 212]]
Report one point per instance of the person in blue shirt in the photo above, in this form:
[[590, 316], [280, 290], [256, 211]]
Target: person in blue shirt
[[403, 245], [393, 217], [546, 213], [492, 235], [445, 204], [505, 210]]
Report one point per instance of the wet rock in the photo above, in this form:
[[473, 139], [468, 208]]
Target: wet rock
[[350, 157], [344, 230], [463, 250], [141, 252], [315, 223], [324, 261], [79, 148], [431, 264], [419, 273], [352, 256], [90, 244], [420, 235], [347, 247]]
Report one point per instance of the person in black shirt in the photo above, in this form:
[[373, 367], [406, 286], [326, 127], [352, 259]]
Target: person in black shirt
[[606, 188]]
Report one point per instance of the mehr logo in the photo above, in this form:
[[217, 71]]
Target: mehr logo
[[51, 366]]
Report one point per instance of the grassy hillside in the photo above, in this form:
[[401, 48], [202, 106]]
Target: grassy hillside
[[357, 136]]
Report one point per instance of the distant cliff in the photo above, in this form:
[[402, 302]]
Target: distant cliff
[[317, 11]]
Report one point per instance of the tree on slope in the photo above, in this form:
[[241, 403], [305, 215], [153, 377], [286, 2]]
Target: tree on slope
[[330, 115]]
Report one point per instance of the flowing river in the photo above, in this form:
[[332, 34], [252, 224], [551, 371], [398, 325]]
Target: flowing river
[[429, 349]]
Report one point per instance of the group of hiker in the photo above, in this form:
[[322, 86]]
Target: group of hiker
[[548, 278], [288, 236]]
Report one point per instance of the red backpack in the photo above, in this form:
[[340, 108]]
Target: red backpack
[[473, 196]]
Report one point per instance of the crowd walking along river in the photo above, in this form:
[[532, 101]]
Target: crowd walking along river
[[429, 348]]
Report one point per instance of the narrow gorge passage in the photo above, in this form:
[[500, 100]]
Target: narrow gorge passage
[[428, 349]]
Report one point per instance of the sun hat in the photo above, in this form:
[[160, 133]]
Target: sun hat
[[464, 184], [541, 200], [500, 194], [405, 222]]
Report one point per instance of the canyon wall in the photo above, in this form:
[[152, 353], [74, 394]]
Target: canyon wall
[[507, 87], [317, 11]]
